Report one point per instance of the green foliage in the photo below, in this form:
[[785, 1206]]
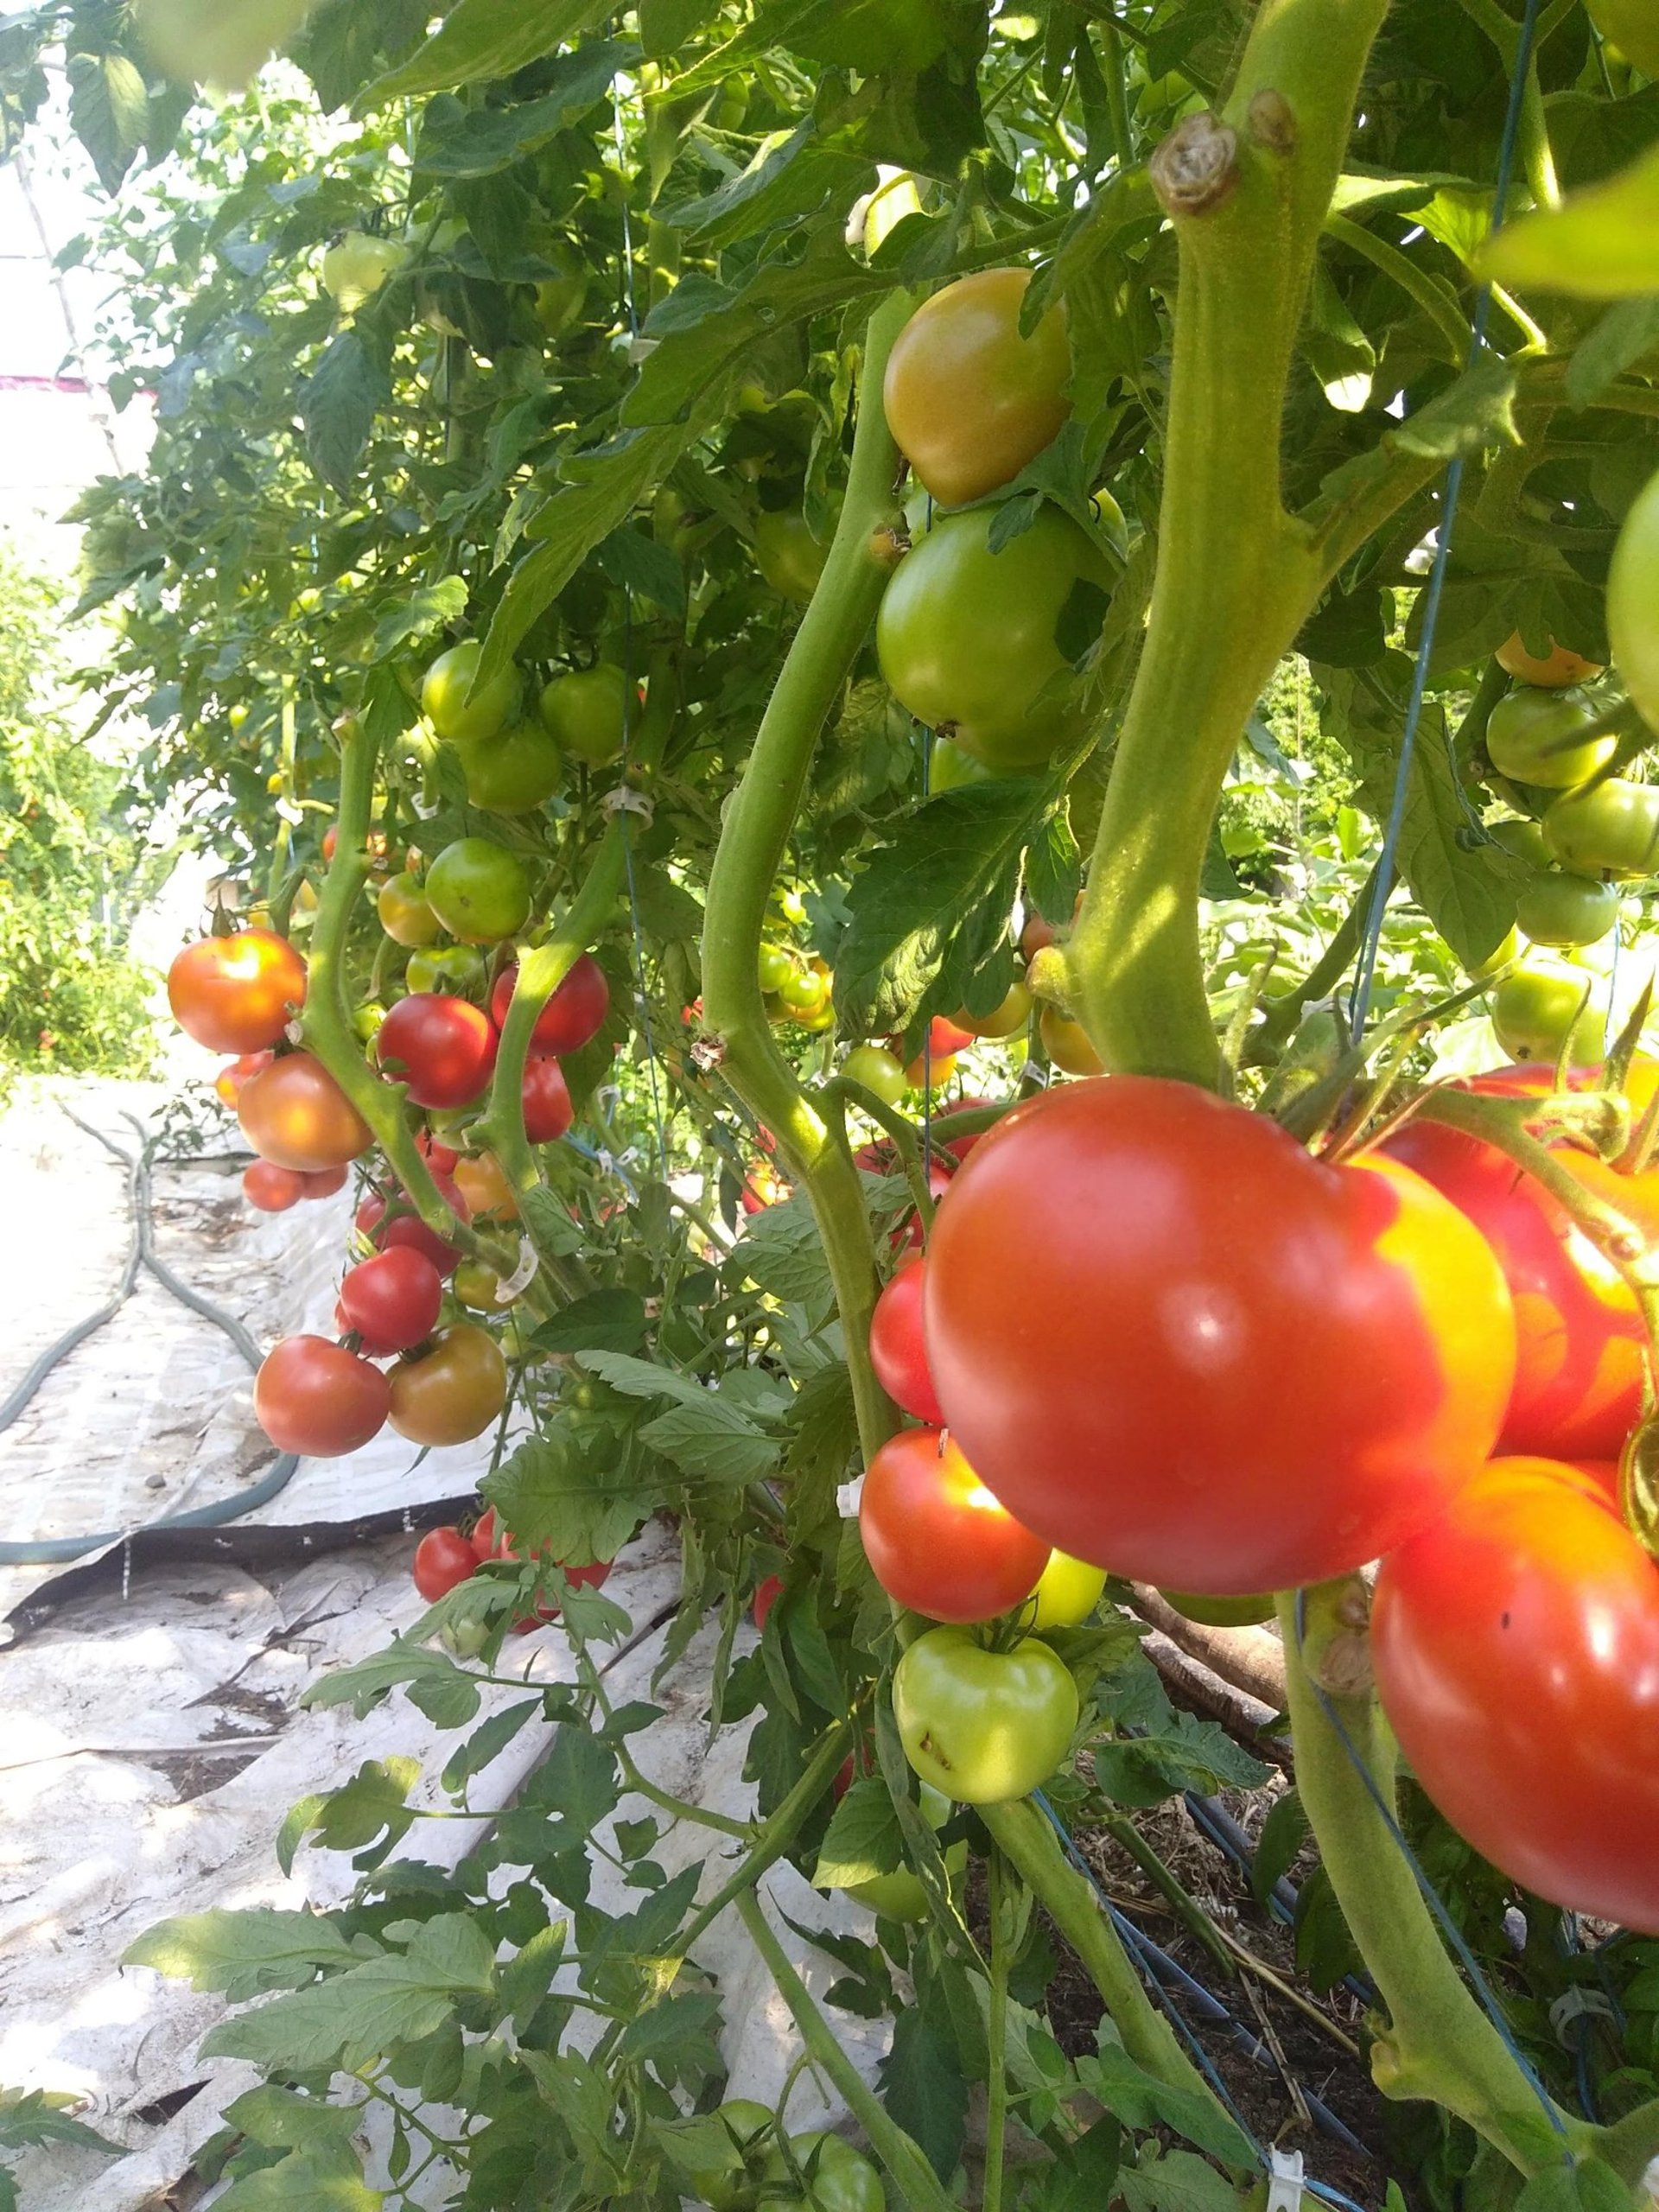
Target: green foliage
[[71, 873]]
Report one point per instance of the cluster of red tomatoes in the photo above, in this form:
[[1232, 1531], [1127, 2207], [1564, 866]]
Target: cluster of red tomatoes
[[313, 1394], [1233, 1367], [446, 1557]]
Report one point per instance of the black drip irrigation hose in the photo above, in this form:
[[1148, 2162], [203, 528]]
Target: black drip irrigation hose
[[51, 1551]]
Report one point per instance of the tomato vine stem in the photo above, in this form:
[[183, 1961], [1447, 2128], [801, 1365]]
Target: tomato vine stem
[[751, 853]]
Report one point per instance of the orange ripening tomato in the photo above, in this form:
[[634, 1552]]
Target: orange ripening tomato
[[1178, 1346], [937, 1540], [483, 1185], [296, 1114], [231, 1077], [236, 993], [271, 1188], [1515, 1642], [316, 1398]]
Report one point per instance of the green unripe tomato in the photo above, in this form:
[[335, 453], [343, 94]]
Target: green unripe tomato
[[967, 637], [879, 1071], [1067, 1591], [733, 103], [1538, 737], [902, 1895], [1499, 957], [1004, 1020], [787, 555], [1614, 826], [455, 970], [1535, 1009], [1515, 834], [1633, 578], [480, 1288], [805, 992], [728, 2186], [479, 891], [983, 1725], [446, 706], [1558, 909], [949, 768], [588, 712], [839, 2179], [1219, 1612], [515, 772], [791, 906], [404, 914], [367, 1021], [355, 267], [774, 966]]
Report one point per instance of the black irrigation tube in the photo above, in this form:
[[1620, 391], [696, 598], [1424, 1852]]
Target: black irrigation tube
[[50, 1551]]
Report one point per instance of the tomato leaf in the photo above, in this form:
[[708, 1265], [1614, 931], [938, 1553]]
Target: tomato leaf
[[1586, 2186], [578, 1504], [923, 2088], [1173, 2181], [354, 2018], [863, 1838], [1282, 1834], [1598, 244], [338, 403], [241, 1954], [603, 1320], [108, 109], [1142, 2101], [782, 1253], [463, 141], [34, 2116], [709, 1437], [483, 39]]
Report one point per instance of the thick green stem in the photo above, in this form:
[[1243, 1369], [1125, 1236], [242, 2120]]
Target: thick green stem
[[1247, 196], [996, 2035], [1441, 2046], [1031, 1846], [751, 853], [917, 2184], [328, 1021], [778, 1834]]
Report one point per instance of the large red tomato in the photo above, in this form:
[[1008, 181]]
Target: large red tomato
[[236, 993], [548, 1110], [1578, 1385], [442, 1049], [572, 1017], [297, 1115], [392, 1299], [1178, 1346], [937, 1539], [316, 1397], [897, 1352], [1516, 1649]]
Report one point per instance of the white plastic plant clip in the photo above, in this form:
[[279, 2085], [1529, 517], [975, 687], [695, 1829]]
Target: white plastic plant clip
[[1648, 2184], [1285, 2180], [520, 1278], [625, 800]]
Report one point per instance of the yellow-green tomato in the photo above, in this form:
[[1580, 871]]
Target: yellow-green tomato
[[455, 970], [1515, 834], [774, 965], [1004, 1020], [1067, 1591], [1542, 737], [1535, 1009], [560, 298], [356, 266], [479, 891], [514, 771], [1614, 826], [1500, 957], [444, 699], [837, 2178], [983, 1725], [404, 914], [787, 555], [879, 1071], [480, 1288], [1633, 578], [1564, 910], [949, 767], [588, 712]]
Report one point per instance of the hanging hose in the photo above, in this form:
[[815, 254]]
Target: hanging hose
[[52, 1551]]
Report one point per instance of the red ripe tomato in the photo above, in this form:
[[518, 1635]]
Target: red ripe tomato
[[323, 1182], [959, 1148], [1578, 1385], [1515, 1642], [442, 1049], [937, 1539], [486, 1543], [1179, 1347], [392, 1301], [767, 1594], [548, 1110], [297, 1115], [231, 1077], [409, 1231], [272, 1188], [440, 1158], [572, 1017], [236, 993], [586, 1578], [443, 1560], [944, 1041], [316, 1398], [896, 1349], [764, 1187]]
